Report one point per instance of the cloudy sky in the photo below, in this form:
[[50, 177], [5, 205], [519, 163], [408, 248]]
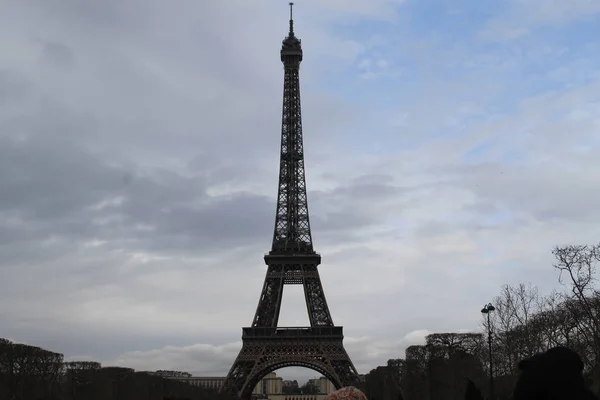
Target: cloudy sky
[[449, 147]]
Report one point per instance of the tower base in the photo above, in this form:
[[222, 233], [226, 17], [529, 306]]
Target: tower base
[[267, 349]]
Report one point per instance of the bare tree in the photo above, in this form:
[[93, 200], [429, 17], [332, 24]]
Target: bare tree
[[526, 306], [577, 266], [515, 334], [444, 345]]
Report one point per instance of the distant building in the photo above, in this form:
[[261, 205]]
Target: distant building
[[269, 384], [323, 385], [209, 382]]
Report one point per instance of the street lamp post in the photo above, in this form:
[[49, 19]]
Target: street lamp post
[[487, 309]]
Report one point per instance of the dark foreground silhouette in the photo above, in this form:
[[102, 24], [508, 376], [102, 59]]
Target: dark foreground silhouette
[[556, 374], [472, 392]]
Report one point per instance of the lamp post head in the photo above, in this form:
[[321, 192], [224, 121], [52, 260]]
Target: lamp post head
[[488, 308]]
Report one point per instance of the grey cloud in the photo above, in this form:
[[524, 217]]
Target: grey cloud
[[53, 174], [13, 89], [544, 192], [58, 188], [79, 342], [522, 18], [61, 55], [142, 97], [350, 206]]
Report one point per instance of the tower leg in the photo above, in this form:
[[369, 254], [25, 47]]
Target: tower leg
[[269, 305]]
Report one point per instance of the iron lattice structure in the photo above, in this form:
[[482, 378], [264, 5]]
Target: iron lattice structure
[[291, 261]]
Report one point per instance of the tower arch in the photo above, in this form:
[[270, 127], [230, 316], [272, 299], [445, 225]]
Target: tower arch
[[269, 367]]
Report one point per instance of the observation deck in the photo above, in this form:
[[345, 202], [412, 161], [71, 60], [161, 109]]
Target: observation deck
[[322, 332]]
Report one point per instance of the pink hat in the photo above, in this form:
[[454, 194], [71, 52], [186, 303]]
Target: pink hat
[[346, 393]]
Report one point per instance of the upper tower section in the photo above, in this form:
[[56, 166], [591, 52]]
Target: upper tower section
[[291, 49], [292, 227]]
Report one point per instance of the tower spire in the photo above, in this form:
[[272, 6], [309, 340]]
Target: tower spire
[[291, 49], [291, 20]]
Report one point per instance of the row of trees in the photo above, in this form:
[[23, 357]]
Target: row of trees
[[524, 323], [440, 369], [32, 373]]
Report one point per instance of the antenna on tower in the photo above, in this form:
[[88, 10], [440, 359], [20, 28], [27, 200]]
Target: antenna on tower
[[291, 20]]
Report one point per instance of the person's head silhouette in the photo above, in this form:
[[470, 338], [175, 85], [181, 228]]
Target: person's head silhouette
[[556, 374]]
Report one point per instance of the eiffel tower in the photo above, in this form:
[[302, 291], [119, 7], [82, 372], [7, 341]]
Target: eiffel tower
[[291, 261]]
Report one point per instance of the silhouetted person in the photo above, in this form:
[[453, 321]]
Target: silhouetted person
[[556, 374], [472, 392]]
